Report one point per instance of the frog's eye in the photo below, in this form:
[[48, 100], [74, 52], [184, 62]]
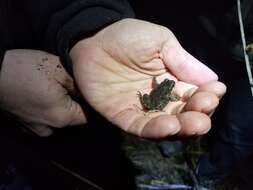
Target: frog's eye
[[145, 100], [145, 97]]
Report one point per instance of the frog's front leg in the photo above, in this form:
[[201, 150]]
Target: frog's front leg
[[145, 101], [174, 98]]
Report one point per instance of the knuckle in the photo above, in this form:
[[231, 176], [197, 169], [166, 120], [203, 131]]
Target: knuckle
[[59, 121]]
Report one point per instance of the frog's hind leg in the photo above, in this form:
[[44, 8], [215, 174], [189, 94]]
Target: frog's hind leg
[[174, 98], [142, 108]]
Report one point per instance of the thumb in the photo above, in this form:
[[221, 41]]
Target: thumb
[[70, 109], [184, 66], [75, 113]]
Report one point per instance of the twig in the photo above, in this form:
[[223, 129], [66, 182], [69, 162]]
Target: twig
[[81, 178], [246, 57]]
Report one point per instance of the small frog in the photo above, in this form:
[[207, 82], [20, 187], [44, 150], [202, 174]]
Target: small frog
[[160, 96]]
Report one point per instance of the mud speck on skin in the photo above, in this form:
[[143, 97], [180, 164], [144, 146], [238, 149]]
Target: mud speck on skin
[[59, 66]]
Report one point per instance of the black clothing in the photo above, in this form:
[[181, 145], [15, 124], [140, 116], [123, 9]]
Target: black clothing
[[55, 26]]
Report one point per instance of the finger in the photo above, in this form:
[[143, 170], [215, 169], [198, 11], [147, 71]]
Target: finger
[[70, 113], [193, 123], [215, 87], [206, 98], [202, 101], [51, 65], [184, 66], [61, 75], [70, 86], [150, 125], [76, 114], [41, 130], [183, 124], [160, 124]]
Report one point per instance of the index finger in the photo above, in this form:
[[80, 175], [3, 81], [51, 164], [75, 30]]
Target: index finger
[[160, 124]]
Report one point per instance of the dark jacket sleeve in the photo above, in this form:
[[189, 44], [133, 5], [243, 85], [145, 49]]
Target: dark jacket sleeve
[[55, 25], [81, 19]]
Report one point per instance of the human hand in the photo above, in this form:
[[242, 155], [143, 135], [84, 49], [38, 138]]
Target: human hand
[[111, 67], [34, 88]]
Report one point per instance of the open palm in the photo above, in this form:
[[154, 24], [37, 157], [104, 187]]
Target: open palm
[[117, 63]]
